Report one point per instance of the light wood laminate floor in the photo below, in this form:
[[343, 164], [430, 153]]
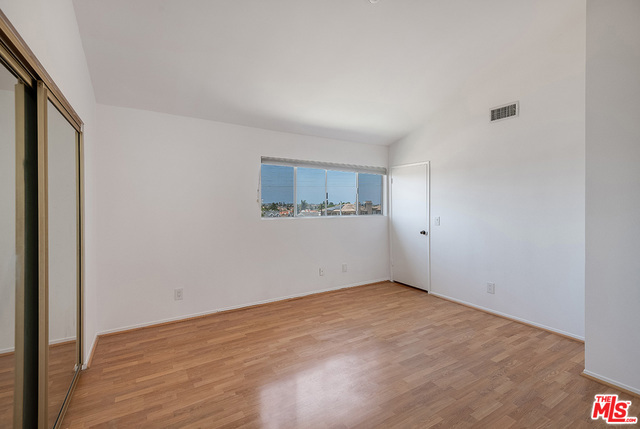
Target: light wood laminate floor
[[7, 380], [381, 355]]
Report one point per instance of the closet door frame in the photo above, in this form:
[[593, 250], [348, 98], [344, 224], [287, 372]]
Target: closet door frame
[[43, 96]]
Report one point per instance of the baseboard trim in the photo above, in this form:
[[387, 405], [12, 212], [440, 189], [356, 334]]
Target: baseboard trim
[[232, 308], [7, 351], [512, 318], [611, 383], [62, 341]]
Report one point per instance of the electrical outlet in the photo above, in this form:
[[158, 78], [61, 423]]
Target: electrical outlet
[[177, 294], [436, 221], [491, 288], [344, 268], [321, 271]]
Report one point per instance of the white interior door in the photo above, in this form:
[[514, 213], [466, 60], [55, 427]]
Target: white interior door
[[410, 225]]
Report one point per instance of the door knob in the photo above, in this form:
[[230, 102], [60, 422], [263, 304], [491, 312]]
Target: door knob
[[423, 232]]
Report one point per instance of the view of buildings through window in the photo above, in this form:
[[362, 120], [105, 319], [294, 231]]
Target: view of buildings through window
[[318, 192]]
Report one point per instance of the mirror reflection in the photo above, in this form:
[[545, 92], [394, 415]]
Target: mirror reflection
[[7, 244], [63, 258]]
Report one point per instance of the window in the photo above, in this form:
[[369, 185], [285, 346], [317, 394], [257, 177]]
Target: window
[[290, 188], [277, 190], [310, 192], [370, 193], [342, 193]]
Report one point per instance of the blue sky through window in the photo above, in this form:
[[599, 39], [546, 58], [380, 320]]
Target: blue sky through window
[[341, 186], [370, 186], [310, 186], [277, 185]]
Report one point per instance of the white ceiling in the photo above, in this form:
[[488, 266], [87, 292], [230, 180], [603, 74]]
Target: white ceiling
[[344, 69]]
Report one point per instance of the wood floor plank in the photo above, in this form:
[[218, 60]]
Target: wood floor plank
[[381, 355], [7, 380]]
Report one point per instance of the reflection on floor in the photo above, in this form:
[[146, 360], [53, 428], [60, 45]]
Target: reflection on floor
[[7, 378], [62, 360], [380, 355]]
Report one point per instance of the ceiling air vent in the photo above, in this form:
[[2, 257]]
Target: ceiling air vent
[[504, 112]]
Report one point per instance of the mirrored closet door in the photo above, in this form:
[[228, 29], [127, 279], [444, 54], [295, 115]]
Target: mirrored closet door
[[18, 247], [64, 259], [8, 251]]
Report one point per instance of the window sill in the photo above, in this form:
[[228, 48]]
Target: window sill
[[324, 217]]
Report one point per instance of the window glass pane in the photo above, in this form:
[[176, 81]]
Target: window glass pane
[[310, 185], [277, 190], [341, 189], [370, 193]]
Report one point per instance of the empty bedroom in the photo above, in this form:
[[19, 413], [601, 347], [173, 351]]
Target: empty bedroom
[[310, 214]]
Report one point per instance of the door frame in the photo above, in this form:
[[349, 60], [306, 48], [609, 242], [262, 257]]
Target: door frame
[[428, 197]]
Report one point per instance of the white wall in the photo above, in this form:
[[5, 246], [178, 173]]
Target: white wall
[[613, 201], [50, 29], [510, 194], [7, 218], [178, 209]]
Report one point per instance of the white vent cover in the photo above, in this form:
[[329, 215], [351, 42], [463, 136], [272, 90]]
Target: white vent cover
[[506, 111]]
